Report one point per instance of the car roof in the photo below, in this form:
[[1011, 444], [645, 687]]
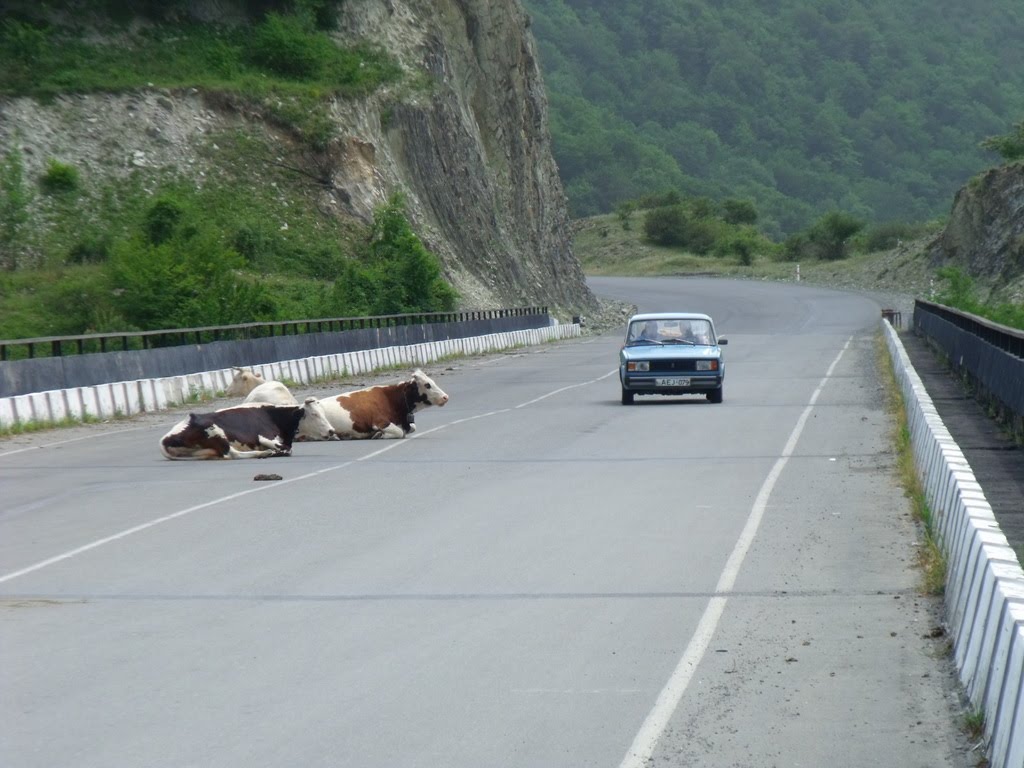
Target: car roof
[[670, 316]]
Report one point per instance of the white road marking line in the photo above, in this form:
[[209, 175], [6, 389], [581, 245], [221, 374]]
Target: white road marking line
[[654, 725], [564, 389], [231, 497], [75, 439]]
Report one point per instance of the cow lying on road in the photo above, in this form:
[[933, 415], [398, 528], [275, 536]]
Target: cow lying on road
[[382, 411], [243, 383], [273, 392], [246, 431]]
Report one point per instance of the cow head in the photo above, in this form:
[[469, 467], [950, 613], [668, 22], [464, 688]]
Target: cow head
[[314, 424], [427, 391], [245, 381]]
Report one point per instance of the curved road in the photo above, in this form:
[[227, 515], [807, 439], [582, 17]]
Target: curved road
[[540, 577]]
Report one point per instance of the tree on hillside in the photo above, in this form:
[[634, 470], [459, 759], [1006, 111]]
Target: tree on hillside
[[800, 107], [1010, 147], [832, 232]]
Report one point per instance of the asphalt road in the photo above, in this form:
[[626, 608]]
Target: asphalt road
[[539, 577]]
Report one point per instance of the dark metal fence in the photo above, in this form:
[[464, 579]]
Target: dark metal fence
[[175, 352], [57, 346], [989, 354]]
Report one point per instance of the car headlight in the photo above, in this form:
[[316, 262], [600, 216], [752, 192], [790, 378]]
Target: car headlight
[[707, 365], [638, 365]]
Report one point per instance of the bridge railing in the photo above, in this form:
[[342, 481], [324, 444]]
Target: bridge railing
[[58, 346], [990, 355], [64, 362]]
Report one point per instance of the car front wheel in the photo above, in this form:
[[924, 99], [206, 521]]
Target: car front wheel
[[715, 395], [627, 397]]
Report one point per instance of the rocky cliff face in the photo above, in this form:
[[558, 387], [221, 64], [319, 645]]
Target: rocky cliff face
[[985, 233], [471, 152]]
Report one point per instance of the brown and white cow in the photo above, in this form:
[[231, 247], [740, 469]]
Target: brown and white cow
[[245, 381], [382, 411], [245, 431]]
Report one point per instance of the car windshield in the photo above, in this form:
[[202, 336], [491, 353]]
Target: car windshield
[[670, 331]]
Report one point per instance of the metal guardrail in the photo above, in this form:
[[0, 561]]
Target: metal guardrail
[[57, 346], [1004, 337], [989, 354]]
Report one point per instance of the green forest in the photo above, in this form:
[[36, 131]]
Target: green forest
[[874, 108]]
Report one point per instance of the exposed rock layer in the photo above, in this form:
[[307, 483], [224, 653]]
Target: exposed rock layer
[[471, 152]]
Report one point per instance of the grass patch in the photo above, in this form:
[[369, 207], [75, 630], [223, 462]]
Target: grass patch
[[30, 427], [282, 64], [930, 556], [278, 56], [974, 724]]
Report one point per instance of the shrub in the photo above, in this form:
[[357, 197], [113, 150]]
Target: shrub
[[91, 248], [739, 211], [666, 225], [286, 46], [831, 233], [886, 236], [14, 201], [795, 248], [59, 178], [1010, 147], [959, 289], [624, 212], [740, 243], [162, 218], [22, 42], [676, 226], [177, 272], [406, 273]]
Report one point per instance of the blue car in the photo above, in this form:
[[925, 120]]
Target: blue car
[[671, 353]]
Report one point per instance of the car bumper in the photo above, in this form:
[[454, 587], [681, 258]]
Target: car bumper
[[652, 384]]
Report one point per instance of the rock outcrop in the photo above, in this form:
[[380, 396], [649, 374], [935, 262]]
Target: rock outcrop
[[985, 233], [470, 151]]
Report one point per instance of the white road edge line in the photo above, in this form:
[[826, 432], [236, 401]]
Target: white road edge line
[[181, 513], [650, 733]]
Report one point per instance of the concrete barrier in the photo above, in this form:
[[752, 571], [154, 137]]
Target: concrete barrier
[[984, 580], [126, 398]]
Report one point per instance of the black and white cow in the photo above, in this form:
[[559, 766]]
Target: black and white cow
[[245, 431]]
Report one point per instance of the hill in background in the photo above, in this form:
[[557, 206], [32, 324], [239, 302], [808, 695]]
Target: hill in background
[[802, 106]]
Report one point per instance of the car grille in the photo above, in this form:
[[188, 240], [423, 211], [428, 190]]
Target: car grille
[[673, 366]]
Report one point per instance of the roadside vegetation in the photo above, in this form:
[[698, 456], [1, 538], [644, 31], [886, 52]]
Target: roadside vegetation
[[961, 293], [930, 556], [124, 256], [670, 234], [82, 253], [673, 235]]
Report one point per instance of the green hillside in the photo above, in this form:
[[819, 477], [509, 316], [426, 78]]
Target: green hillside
[[802, 106]]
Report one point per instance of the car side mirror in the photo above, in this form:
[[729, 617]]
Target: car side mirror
[[722, 342]]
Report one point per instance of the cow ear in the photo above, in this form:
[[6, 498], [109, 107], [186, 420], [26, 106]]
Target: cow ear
[[309, 400]]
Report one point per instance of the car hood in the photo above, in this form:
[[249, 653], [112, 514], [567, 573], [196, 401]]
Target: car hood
[[670, 352]]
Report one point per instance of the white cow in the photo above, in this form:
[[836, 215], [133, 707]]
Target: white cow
[[245, 381], [273, 392]]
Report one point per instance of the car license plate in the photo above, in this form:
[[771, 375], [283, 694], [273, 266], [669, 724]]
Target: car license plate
[[675, 381]]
